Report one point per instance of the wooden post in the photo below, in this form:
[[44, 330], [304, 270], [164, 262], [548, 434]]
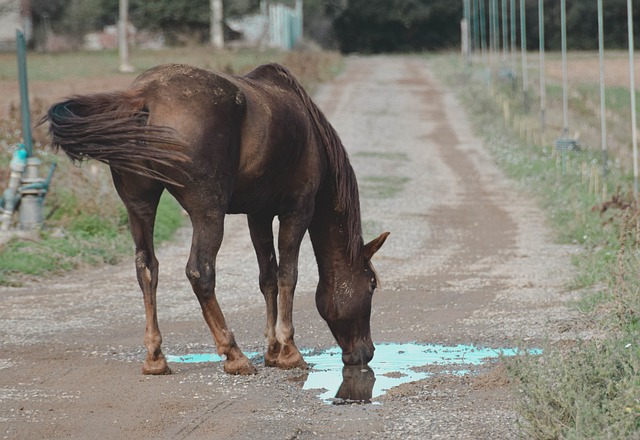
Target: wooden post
[[217, 35], [123, 43]]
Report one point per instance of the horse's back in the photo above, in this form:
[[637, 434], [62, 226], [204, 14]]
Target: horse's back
[[268, 147]]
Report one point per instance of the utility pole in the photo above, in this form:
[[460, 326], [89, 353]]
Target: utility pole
[[217, 35], [123, 43]]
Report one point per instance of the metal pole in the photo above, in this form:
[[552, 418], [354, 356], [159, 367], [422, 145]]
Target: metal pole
[[491, 32], [603, 117], [24, 92], [565, 99], [464, 25], [523, 50], [632, 87], [483, 42], [543, 85], [505, 31], [123, 44], [513, 42], [476, 30], [496, 23], [216, 27]]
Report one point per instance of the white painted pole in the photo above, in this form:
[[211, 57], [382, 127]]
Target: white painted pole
[[632, 88], [216, 27], [123, 44], [603, 107]]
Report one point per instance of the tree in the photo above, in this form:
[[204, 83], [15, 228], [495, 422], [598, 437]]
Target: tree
[[398, 25]]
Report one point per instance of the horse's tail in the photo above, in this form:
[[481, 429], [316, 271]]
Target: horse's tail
[[112, 128]]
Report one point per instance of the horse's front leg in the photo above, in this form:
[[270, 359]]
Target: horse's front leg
[[207, 237], [292, 230], [261, 229]]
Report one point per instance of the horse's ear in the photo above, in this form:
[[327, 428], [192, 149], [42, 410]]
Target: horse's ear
[[375, 244]]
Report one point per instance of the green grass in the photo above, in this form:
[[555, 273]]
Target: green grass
[[385, 155], [88, 64], [88, 240], [590, 390], [310, 67], [382, 187]]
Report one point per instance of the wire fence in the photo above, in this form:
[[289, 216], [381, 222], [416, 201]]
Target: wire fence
[[483, 24]]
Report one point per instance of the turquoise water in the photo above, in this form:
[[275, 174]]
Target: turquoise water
[[392, 365]]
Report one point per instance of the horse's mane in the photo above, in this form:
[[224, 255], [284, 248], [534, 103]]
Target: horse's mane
[[346, 197]]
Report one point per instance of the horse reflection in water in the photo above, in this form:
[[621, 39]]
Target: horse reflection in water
[[357, 385], [223, 144]]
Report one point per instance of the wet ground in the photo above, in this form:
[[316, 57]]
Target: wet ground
[[469, 266]]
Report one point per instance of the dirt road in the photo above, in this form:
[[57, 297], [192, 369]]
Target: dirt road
[[469, 261]]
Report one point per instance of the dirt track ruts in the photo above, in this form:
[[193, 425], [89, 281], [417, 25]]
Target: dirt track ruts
[[469, 261]]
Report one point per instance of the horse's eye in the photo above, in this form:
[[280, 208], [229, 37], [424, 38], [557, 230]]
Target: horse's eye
[[373, 284]]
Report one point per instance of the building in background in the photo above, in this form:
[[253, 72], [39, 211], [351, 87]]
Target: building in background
[[277, 26]]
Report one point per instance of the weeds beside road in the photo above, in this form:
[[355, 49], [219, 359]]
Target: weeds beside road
[[590, 389]]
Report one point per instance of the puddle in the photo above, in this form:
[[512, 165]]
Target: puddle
[[392, 365]]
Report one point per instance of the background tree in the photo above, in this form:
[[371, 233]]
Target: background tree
[[349, 25], [398, 25]]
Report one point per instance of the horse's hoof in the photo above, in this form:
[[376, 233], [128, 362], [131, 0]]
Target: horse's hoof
[[271, 359], [271, 356], [156, 368], [292, 362], [240, 366]]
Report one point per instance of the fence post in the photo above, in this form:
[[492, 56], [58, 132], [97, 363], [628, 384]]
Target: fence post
[[513, 45], [483, 43], [24, 92], [632, 88], [603, 107], [565, 99], [543, 86], [523, 49]]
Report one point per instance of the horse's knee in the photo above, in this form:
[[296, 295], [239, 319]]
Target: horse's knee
[[202, 278], [269, 284], [146, 266]]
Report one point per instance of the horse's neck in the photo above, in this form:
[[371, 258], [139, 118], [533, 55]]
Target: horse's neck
[[329, 235]]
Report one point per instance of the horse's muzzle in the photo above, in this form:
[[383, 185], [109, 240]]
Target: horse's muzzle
[[360, 355]]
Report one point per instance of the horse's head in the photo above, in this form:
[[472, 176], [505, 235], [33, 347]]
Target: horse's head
[[345, 303]]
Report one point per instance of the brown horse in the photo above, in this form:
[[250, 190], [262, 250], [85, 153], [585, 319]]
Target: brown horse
[[253, 144]]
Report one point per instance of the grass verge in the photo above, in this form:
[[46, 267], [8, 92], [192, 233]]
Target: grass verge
[[591, 389], [87, 240]]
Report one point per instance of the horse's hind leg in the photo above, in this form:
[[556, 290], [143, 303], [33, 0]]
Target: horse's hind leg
[[261, 229], [141, 197], [207, 237]]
